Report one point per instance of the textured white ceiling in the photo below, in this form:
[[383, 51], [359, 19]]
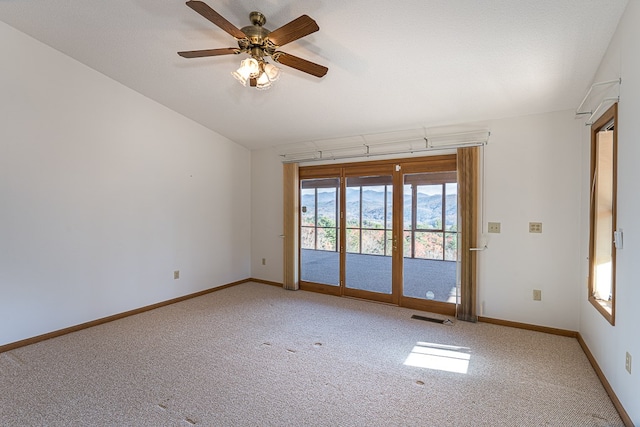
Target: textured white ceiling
[[392, 65]]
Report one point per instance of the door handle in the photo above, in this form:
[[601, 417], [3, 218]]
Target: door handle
[[484, 248]]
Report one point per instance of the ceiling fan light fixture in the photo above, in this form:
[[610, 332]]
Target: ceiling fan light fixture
[[272, 72], [240, 77], [249, 69], [263, 82], [252, 66]]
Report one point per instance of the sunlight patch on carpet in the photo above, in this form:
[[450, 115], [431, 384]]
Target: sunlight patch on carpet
[[439, 357]]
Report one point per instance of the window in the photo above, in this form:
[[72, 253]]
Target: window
[[602, 251]]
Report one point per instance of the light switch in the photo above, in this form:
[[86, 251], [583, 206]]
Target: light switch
[[535, 227], [493, 227]]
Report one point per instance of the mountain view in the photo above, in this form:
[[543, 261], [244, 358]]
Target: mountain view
[[368, 229]]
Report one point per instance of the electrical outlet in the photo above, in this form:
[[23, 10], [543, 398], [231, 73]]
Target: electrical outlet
[[176, 275], [264, 261], [627, 363], [537, 295], [535, 227], [493, 227]]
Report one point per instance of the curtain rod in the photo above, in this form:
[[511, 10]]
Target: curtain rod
[[317, 155], [365, 149]]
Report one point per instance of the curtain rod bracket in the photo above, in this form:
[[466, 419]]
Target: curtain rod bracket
[[579, 111]]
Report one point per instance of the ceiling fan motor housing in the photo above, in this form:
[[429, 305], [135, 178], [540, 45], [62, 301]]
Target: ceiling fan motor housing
[[257, 18], [256, 33]]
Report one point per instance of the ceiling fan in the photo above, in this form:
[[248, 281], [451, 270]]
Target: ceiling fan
[[259, 43]]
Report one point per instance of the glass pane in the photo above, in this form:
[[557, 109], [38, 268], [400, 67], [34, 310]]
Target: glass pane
[[406, 241], [451, 246], [353, 240], [327, 204], [430, 279], [369, 273], [407, 212], [389, 219], [308, 206], [389, 249], [373, 206], [353, 207], [429, 207], [327, 239], [373, 242], [451, 208], [319, 259], [308, 237], [429, 245], [320, 267]]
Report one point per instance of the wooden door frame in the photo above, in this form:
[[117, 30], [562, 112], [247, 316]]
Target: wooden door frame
[[397, 168]]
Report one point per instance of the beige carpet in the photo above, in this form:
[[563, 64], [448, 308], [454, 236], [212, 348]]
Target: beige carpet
[[255, 355]]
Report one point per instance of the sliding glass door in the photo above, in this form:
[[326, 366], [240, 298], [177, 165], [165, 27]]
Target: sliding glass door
[[385, 231]]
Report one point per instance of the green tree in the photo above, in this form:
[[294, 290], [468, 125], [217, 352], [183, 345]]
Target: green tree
[[327, 235]]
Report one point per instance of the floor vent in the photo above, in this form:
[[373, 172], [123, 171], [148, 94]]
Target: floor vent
[[434, 320]]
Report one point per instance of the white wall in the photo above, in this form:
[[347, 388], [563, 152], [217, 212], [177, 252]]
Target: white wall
[[104, 193], [266, 215], [610, 343], [532, 174]]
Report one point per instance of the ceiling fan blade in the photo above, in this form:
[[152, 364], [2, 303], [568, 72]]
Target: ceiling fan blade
[[213, 16], [294, 30], [300, 64], [209, 52]]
